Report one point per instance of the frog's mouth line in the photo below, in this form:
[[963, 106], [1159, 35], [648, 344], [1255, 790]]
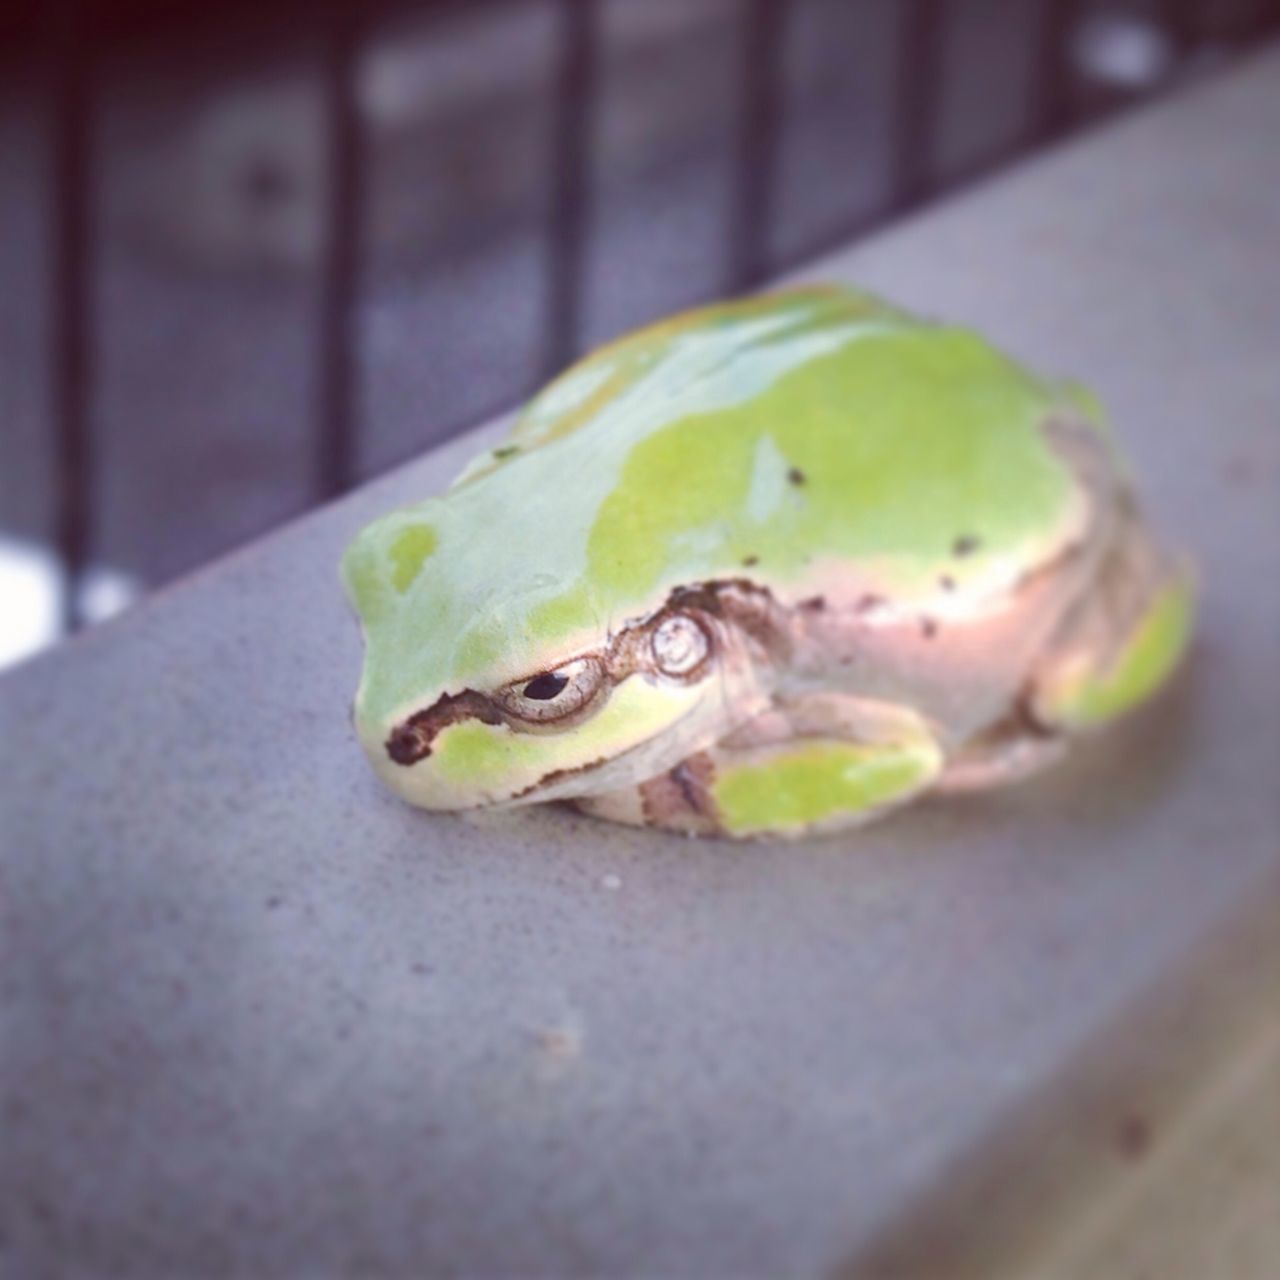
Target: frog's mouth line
[[557, 776], [750, 607]]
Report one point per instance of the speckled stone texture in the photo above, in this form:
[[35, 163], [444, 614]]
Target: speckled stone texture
[[258, 1017]]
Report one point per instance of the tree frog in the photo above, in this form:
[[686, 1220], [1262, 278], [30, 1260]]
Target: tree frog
[[771, 567]]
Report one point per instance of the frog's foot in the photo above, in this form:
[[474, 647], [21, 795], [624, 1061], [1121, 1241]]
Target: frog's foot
[[823, 764], [1121, 642]]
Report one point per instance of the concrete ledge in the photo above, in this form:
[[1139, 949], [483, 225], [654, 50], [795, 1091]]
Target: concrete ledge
[[258, 1017]]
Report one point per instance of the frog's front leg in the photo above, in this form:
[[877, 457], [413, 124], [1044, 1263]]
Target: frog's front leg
[[819, 763]]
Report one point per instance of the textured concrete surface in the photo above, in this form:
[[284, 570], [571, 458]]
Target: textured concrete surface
[[257, 1016]]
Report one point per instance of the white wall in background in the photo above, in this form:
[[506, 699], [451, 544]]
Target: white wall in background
[[31, 593]]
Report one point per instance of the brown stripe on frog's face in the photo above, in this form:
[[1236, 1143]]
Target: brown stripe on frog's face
[[544, 701], [410, 741]]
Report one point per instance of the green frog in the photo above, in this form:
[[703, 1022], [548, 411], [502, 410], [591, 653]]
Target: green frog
[[771, 567]]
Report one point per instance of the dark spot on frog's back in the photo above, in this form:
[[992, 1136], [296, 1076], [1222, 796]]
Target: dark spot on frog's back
[[965, 545], [928, 628], [815, 604], [796, 476], [750, 562]]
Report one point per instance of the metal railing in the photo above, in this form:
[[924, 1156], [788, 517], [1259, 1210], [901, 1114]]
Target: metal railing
[[921, 48]]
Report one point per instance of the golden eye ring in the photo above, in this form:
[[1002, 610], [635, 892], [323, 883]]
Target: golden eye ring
[[553, 695]]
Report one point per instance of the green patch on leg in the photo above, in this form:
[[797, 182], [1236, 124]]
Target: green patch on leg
[[812, 782], [1144, 664]]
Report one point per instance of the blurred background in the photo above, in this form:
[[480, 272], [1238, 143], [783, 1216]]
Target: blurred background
[[253, 253]]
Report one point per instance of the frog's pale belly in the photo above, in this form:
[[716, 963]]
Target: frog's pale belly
[[959, 652], [959, 670]]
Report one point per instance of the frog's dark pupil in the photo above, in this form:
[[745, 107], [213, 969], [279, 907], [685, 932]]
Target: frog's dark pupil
[[543, 687]]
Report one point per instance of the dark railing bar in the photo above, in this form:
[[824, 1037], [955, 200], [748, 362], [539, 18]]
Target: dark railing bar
[[979, 170], [880, 218], [1240, 24], [71, 294], [921, 52], [759, 132], [340, 263], [1053, 107], [570, 208], [1266, 20], [1181, 21]]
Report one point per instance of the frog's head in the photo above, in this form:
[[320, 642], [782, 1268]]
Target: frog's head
[[496, 671]]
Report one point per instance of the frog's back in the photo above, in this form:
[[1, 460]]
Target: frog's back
[[777, 429], [795, 440]]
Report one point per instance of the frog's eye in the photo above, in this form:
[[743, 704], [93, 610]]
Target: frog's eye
[[680, 645], [552, 695]]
